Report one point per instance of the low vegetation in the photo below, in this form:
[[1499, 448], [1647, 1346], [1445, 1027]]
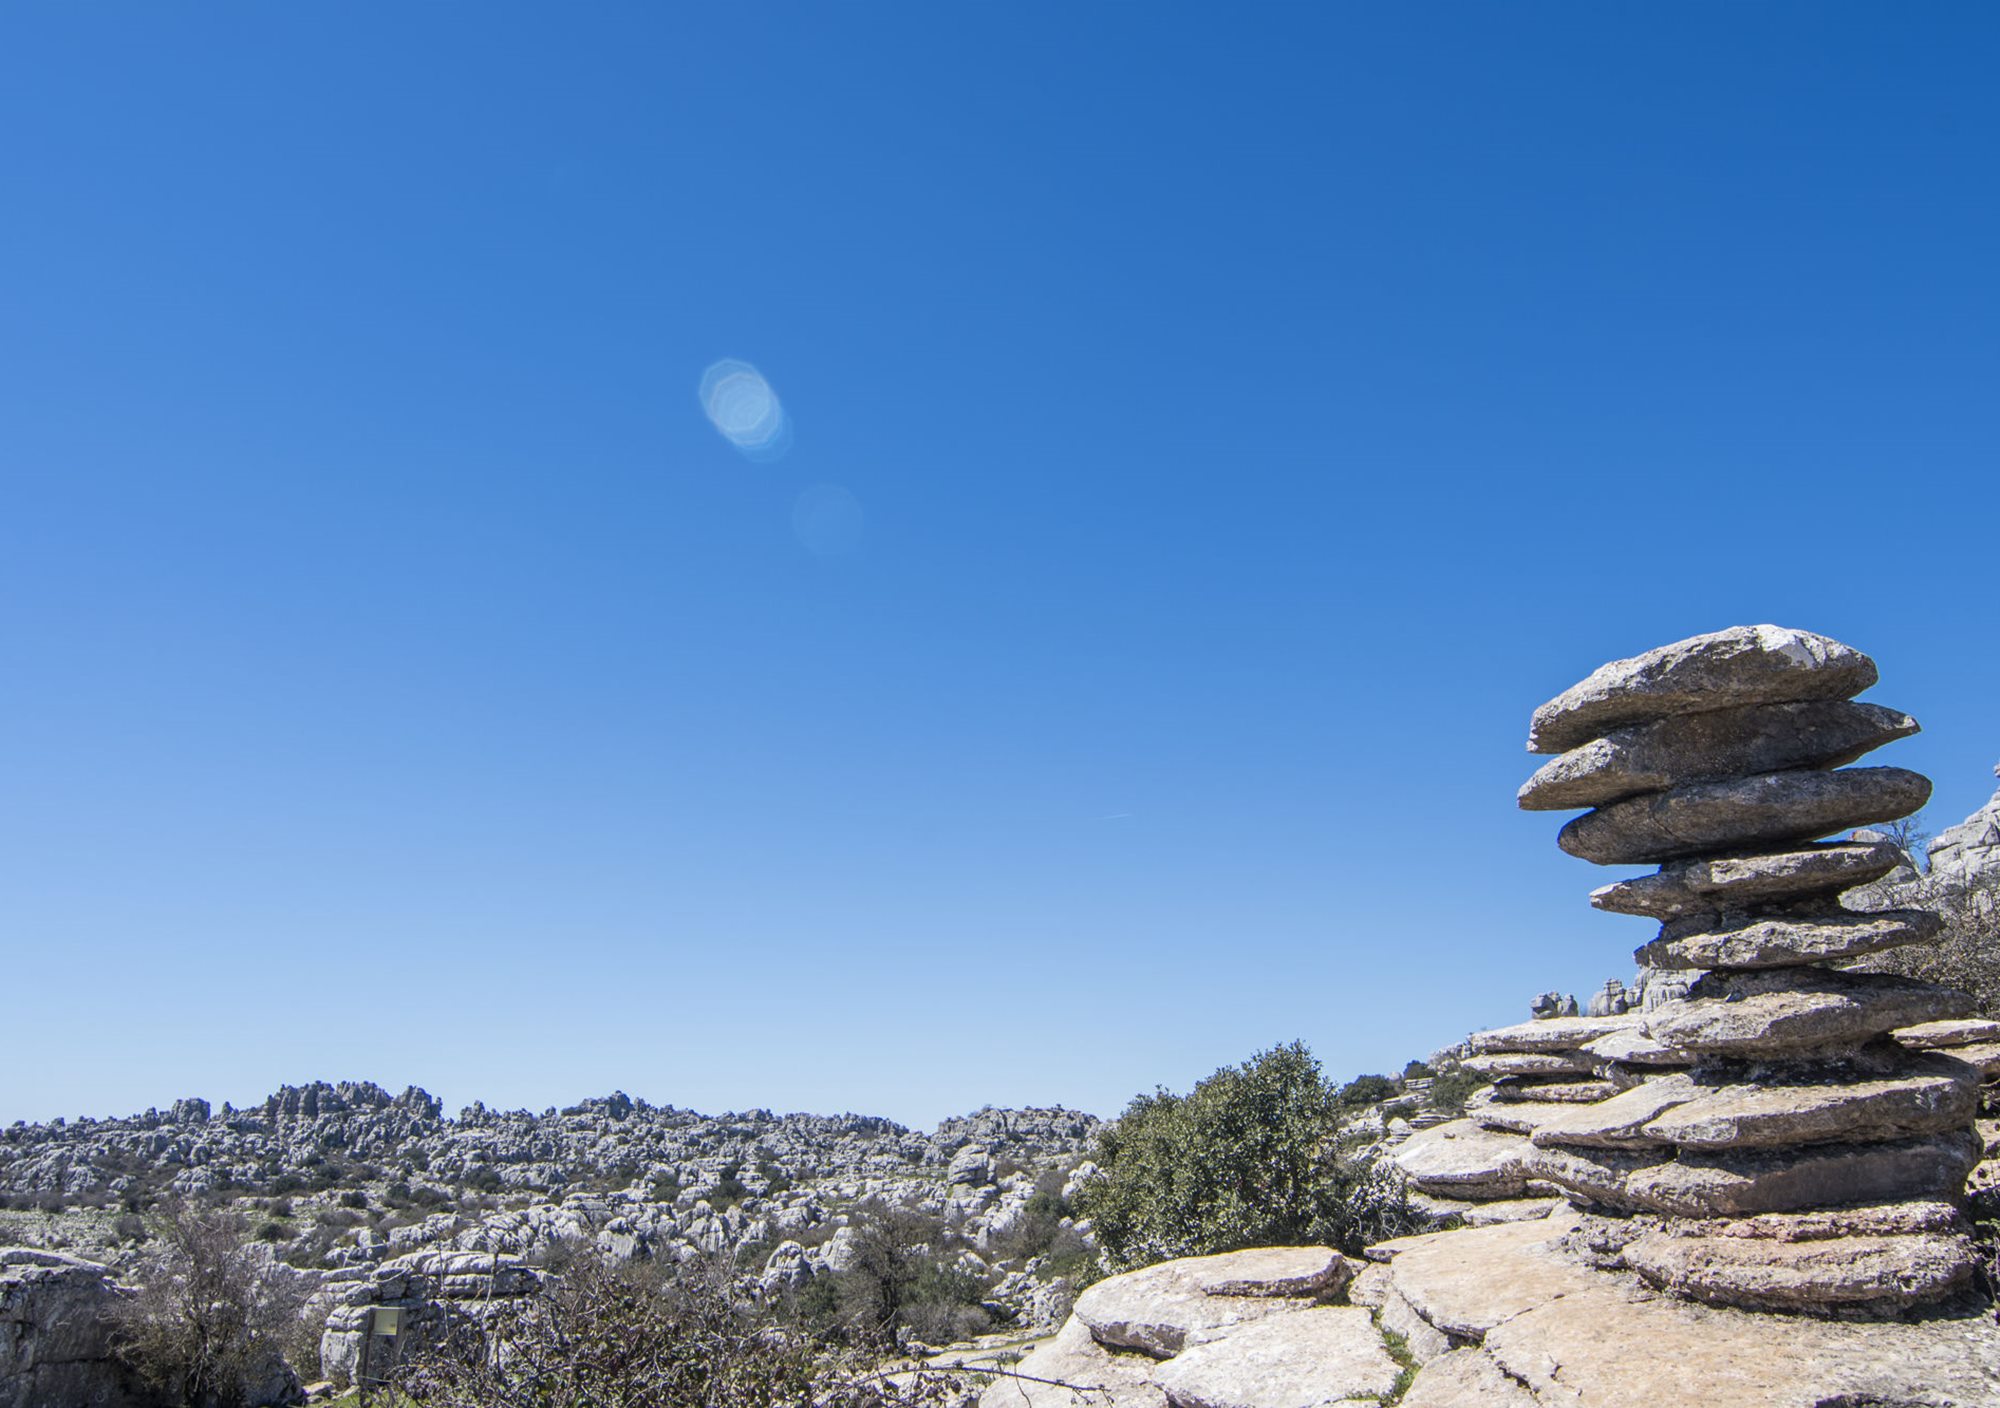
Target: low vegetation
[[1250, 1157]]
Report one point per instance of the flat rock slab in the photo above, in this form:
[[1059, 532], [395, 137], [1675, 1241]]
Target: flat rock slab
[[1074, 1358], [1518, 1117], [1466, 1378], [1933, 1036], [1740, 1182], [1618, 1346], [1742, 813], [1552, 1092], [1597, 1177], [1788, 1012], [1550, 1034], [1459, 1159], [1468, 1281], [1984, 1057], [1311, 1358], [1491, 1214], [1733, 882], [1930, 1098], [1742, 665], [1163, 1309], [1714, 743], [1633, 1048], [1271, 1271], [1528, 1063], [1786, 942], [1621, 1121], [1881, 1273]]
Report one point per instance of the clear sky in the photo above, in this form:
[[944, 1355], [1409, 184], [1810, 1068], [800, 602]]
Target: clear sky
[[1207, 432]]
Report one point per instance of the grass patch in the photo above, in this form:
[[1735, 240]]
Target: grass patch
[[1399, 1350]]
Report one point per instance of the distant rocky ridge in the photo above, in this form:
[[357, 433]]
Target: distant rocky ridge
[[632, 1178], [304, 1133]]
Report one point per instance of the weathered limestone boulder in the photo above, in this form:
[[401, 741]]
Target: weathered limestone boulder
[[1594, 1176], [1742, 813], [1633, 1048], [1791, 1011], [1460, 1159], [1565, 1091], [1073, 1357], [1528, 1063], [1742, 665], [1621, 1121], [55, 1333], [1738, 1181], [1553, 1004], [1550, 1034], [1737, 941], [1947, 1035], [435, 1289], [1733, 882], [1887, 1258], [1311, 1358], [1717, 743], [1926, 1097], [1163, 1309]]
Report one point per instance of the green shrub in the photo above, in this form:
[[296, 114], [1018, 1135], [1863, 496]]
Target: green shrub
[[1245, 1159]]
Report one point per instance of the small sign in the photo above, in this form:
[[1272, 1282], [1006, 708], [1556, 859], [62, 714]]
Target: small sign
[[388, 1320]]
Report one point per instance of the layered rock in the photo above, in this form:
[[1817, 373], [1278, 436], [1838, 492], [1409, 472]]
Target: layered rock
[[56, 1333], [431, 1292], [1785, 1152], [1251, 1329]]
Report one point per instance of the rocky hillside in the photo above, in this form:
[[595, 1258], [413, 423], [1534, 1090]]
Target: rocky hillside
[[344, 1175]]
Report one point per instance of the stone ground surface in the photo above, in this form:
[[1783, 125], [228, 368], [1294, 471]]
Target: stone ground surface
[[1504, 1316], [1563, 1334]]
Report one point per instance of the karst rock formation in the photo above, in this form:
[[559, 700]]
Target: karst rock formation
[[1783, 1151]]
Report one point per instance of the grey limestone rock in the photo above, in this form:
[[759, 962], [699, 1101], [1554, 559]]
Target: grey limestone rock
[[1788, 1012], [55, 1333], [1734, 1183], [1926, 1097], [1164, 1309], [1735, 882], [1784, 941], [1718, 743], [1549, 1034], [1743, 813], [1739, 666], [1882, 1272], [1462, 1160], [1312, 1358]]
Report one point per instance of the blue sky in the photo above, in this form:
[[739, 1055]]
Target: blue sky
[[1212, 431]]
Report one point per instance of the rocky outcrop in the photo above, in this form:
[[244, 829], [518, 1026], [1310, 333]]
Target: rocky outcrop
[[429, 1293], [55, 1333], [1519, 1316], [1720, 756], [1249, 1329]]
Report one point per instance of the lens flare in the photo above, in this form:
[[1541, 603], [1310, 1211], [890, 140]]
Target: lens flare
[[828, 520], [744, 409]]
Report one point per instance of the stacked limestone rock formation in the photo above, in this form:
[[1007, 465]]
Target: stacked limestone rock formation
[[1477, 1168], [1783, 1151]]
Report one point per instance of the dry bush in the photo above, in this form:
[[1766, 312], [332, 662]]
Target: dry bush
[[209, 1324], [628, 1335], [1965, 955]]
